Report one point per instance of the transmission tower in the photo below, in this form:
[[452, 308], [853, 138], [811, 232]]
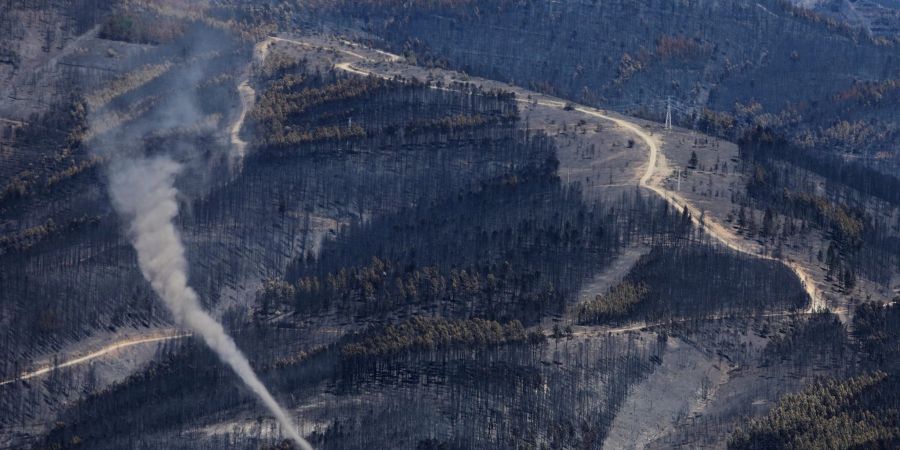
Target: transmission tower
[[668, 113]]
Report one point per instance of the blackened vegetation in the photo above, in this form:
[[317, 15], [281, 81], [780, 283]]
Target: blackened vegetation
[[288, 199], [819, 341], [517, 248], [56, 136], [53, 166], [79, 16], [857, 412], [299, 106], [632, 54], [687, 280], [483, 396], [505, 397], [763, 144], [511, 246], [66, 238], [701, 281], [183, 385], [877, 328], [439, 207], [72, 279], [863, 242], [65, 280], [141, 28], [618, 302], [66, 269], [423, 333], [464, 221]]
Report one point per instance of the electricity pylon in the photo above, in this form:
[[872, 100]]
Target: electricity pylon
[[668, 113]]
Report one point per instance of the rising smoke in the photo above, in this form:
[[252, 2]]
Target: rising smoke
[[143, 192]]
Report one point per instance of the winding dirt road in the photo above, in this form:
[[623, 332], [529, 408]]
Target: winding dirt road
[[721, 233], [118, 345], [715, 229], [248, 96], [248, 100]]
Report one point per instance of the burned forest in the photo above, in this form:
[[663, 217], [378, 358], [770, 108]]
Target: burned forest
[[449, 224]]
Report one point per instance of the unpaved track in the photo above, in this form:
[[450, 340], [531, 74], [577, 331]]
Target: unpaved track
[[248, 100], [239, 149], [721, 233], [118, 345], [248, 94], [601, 330]]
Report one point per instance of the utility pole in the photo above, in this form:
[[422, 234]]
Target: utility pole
[[669, 113]]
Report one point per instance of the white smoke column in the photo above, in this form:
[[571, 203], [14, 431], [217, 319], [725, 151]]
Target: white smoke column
[[143, 192]]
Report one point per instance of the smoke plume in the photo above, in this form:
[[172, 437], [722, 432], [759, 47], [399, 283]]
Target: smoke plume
[[143, 193]]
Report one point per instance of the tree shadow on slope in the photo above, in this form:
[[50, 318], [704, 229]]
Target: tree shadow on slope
[[697, 281]]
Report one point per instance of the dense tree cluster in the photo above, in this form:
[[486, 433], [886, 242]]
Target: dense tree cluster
[[446, 124], [246, 226], [428, 334], [853, 127], [383, 286], [858, 412], [619, 301], [283, 100], [861, 412], [299, 107]]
